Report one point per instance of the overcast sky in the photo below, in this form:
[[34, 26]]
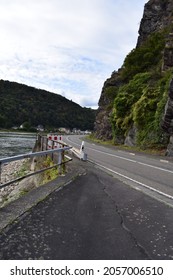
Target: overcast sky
[[69, 47]]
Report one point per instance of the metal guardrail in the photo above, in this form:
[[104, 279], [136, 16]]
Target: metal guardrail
[[61, 161], [45, 143]]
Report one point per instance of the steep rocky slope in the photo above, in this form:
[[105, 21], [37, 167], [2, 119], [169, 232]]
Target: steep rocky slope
[[103, 128], [132, 102], [157, 15]]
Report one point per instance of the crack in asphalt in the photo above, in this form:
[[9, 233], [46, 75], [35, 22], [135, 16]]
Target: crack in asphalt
[[141, 248], [137, 244]]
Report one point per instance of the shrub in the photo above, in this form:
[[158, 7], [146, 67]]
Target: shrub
[[145, 57]]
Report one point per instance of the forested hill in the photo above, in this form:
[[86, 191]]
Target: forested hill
[[20, 103]]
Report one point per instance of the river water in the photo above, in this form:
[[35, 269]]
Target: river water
[[16, 143]]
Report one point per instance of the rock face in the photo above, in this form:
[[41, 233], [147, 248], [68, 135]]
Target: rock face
[[130, 139], [103, 129], [168, 53], [167, 122], [169, 151], [158, 15]]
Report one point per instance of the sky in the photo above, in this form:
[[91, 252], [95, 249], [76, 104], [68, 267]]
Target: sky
[[69, 47]]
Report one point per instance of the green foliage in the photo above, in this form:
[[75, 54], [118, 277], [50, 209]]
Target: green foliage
[[26, 126], [145, 57], [163, 85], [127, 95], [111, 92], [3, 121], [148, 112], [49, 174], [20, 103], [23, 170], [140, 102], [143, 109]]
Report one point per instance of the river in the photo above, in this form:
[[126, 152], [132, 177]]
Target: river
[[15, 143]]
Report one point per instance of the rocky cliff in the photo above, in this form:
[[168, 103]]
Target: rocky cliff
[[157, 15], [103, 128], [134, 102]]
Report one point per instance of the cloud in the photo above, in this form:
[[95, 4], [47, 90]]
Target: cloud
[[69, 47]]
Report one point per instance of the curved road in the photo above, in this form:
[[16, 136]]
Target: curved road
[[150, 174], [94, 215]]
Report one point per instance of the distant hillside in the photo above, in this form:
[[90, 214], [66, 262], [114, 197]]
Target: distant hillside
[[20, 103]]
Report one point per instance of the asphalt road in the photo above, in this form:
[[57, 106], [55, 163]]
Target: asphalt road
[[151, 174], [95, 217], [105, 213]]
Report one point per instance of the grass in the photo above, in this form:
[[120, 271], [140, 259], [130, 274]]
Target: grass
[[44, 177], [99, 141], [23, 192], [152, 151], [23, 170], [50, 174]]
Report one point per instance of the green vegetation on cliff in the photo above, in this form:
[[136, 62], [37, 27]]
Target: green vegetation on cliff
[[146, 57], [139, 103], [23, 104]]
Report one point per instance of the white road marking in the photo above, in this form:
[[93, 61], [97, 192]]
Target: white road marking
[[134, 181], [127, 159], [101, 152], [124, 158], [159, 168], [72, 141]]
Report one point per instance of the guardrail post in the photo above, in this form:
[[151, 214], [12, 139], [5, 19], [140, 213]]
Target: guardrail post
[[52, 149], [63, 159], [0, 171], [59, 162], [46, 143], [42, 143]]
